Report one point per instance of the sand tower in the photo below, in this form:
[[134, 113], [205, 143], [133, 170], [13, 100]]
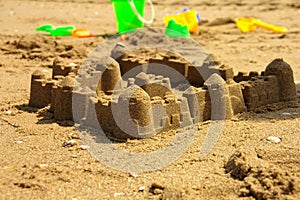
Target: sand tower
[[40, 91], [219, 96], [80, 103], [110, 76], [285, 77], [134, 112], [139, 107], [38, 74], [62, 99]]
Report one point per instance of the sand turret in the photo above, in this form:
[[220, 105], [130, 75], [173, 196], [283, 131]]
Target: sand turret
[[110, 77], [80, 103], [38, 74], [67, 83], [40, 91], [285, 78], [139, 107], [62, 99], [219, 97], [132, 112]]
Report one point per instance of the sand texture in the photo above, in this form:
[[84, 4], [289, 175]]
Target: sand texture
[[41, 158]]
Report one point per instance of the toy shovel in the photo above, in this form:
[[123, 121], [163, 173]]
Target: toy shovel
[[56, 31], [251, 24]]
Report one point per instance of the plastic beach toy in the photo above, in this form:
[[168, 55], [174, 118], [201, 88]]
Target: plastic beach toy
[[130, 14], [176, 30], [188, 18], [82, 33], [45, 27], [197, 15], [251, 24], [56, 31], [62, 31]]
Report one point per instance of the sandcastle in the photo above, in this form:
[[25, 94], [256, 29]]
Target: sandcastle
[[242, 92], [151, 100]]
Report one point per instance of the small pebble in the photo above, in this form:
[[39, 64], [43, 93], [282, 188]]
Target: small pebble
[[274, 139], [118, 194], [42, 165], [69, 143], [84, 147], [19, 141], [72, 65], [286, 113], [157, 186], [134, 175], [142, 188], [120, 44], [9, 112], [73, 136]]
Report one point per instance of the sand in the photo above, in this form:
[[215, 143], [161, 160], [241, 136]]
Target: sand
[[44, 159]]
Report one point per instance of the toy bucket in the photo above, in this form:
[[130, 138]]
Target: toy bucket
[[130, 14], [187, 18], [192, 20]]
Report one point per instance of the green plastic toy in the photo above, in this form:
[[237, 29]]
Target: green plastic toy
[[45, 27], [130, 14], [62, 31], [175, 30], [56, 31]]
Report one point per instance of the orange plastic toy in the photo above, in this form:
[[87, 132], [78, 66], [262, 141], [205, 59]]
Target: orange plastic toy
[[82, 33]]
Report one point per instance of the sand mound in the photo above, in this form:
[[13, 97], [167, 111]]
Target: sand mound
[[260, 179], [269, 183], [44, 48], [240, 164]]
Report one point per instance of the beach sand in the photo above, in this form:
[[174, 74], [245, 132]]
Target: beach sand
[[35, 163]]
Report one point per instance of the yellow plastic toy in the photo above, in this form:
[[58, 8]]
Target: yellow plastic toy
[[250, 24], [187, 18]]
